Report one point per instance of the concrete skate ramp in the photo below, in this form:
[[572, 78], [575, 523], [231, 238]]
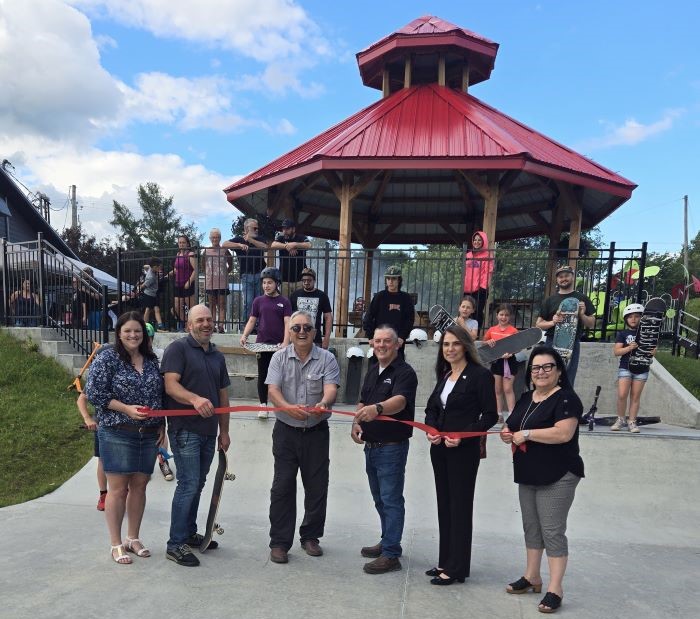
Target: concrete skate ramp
[[633, 537]]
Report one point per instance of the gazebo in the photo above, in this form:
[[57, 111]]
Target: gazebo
[[429, 162]]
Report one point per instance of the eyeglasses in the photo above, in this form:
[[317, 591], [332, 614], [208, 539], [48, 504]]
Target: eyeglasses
[[298, 328], [545, 367], [307, 280]]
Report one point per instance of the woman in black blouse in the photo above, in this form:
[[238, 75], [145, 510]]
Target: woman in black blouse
[[462, 401], [547, 468]]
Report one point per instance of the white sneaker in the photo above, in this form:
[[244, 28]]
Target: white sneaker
[[619, 424], [263, 414], [632, 426]]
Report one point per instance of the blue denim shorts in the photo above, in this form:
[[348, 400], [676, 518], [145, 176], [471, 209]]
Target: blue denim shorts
[[124, 452], [623, 373]]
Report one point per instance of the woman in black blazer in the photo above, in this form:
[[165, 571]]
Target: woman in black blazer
[[463, 401]]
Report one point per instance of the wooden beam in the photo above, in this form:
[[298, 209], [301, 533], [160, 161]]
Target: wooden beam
[[506, 181], [361, 183], [453, 234], [379, 237], [303, 227], [333, 181], [441, 70], [386, 86], [407, 71], [379, 194], [344, 237], [465, 75]]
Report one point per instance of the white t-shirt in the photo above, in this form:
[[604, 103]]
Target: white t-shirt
[[447, 390]]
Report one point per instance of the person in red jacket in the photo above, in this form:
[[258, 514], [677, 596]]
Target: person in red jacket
[[479, 267]]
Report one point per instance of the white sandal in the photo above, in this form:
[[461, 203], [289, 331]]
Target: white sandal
[[143, 552], [122, 558]]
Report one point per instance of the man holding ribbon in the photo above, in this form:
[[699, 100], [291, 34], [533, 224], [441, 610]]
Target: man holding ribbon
[[389, 388], [300, 375], [195, 377]]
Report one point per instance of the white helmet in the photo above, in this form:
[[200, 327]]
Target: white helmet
[[417, 335], [354, 351], [436, 336], [633, 308]]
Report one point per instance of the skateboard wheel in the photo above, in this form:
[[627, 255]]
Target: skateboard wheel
[[230, 476], [219, 531]]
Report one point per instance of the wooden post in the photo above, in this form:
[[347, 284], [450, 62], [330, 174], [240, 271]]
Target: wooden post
[[441, 70], [386, 87], [407, 72], [465, 76], [575, 212], [344, 237]]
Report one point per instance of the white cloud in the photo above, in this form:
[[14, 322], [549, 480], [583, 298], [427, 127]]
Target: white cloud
[[278, 78], [102, 176], [632, 132], [264, 30]]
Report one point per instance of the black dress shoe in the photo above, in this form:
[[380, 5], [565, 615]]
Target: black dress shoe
[[445, 581], [433, 571]]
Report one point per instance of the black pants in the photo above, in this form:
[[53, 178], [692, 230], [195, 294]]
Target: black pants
[[295, 450], [264, 359], [455, 470], [480, 296]]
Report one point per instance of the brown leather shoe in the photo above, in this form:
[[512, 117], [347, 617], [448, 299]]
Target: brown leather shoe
[[372, 552], [312, 548], [382, 565], [278, 555]]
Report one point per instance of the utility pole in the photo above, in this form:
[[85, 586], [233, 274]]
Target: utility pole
[[74, 208], [685, 233]]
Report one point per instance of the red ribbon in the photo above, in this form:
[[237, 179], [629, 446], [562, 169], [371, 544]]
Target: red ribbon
[[183, 412]]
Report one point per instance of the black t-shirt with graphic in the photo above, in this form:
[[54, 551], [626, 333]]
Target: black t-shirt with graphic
[[315, 303]]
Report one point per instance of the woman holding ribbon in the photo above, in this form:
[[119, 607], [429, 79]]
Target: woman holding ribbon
[[123, 380], [463, 401], [547, 468]]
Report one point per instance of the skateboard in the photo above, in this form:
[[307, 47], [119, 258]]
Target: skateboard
[[440, 318], [353, 375], [565, 331], [608, 421], [589, 417], [255, 347], [511, 344], [222, 475], [647, 337]]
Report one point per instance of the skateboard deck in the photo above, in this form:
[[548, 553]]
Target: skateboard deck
[[565, 331], [647, 337], [511, 344], [440, 318], [255, 347], [353, 380], [222, 475]]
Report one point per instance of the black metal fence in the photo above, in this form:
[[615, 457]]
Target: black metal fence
[[43, 288], [611, 277]]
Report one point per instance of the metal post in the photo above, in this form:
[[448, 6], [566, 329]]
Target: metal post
[[5, 289], [119, 281], [642, 266], [608, 292], [42, 273], [326, 267], [105, 317]]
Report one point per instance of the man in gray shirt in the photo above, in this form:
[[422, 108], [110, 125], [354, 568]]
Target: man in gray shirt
[[302, 374]]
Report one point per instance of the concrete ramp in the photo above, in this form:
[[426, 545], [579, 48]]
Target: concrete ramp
[[633, 535]]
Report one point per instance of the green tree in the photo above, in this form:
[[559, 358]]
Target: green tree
[[99, 254], [159, 225]]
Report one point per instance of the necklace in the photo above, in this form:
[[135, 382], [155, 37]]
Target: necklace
[[529, 413]]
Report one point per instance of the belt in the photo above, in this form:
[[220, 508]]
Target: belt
[[378, 445], [140, 429], [307, 429]]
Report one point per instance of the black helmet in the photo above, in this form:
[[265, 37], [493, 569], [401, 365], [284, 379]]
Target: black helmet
[[272, 273]]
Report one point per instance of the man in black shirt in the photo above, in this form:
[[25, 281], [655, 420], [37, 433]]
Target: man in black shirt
[[292, 248], [389, 388], [250, 250], [391, 306], [315, 302], [549, 314]]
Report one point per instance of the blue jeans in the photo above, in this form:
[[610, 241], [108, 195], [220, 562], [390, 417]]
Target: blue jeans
[[250, 282], [386, 469], [193, 455]]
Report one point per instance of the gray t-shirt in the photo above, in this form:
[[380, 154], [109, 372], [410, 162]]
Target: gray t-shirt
[[302, 383], [150, 283]]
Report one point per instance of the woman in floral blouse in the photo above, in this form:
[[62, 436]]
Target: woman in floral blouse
[[121, 381]]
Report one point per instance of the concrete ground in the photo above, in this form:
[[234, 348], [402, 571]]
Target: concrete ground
[[633, 536]]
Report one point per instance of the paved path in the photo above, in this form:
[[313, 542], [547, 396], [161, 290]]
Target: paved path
[[633, 534]]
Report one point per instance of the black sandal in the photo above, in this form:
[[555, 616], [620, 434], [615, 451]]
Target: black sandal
[[550, 603], [523, 585]]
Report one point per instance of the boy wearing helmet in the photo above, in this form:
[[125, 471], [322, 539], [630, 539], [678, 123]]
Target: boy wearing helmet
[[270, 312], [392, 307], [629, 386]]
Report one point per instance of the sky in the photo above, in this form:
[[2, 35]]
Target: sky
[[109, 94]]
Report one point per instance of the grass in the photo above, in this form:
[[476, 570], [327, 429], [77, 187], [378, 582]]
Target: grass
[[41, 444], [685, 370]]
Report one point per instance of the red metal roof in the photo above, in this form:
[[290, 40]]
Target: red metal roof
[[430, 127]]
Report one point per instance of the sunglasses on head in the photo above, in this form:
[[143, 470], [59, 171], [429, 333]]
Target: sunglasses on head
[[297, 328]]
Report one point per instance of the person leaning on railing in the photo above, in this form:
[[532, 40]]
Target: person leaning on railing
[[25, 305]]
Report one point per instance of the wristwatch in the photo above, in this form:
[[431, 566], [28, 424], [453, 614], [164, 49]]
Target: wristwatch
[[526, 435], [380, 409]]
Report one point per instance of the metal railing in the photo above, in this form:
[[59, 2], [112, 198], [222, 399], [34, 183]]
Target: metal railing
[[521, 277], [43, 288]]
